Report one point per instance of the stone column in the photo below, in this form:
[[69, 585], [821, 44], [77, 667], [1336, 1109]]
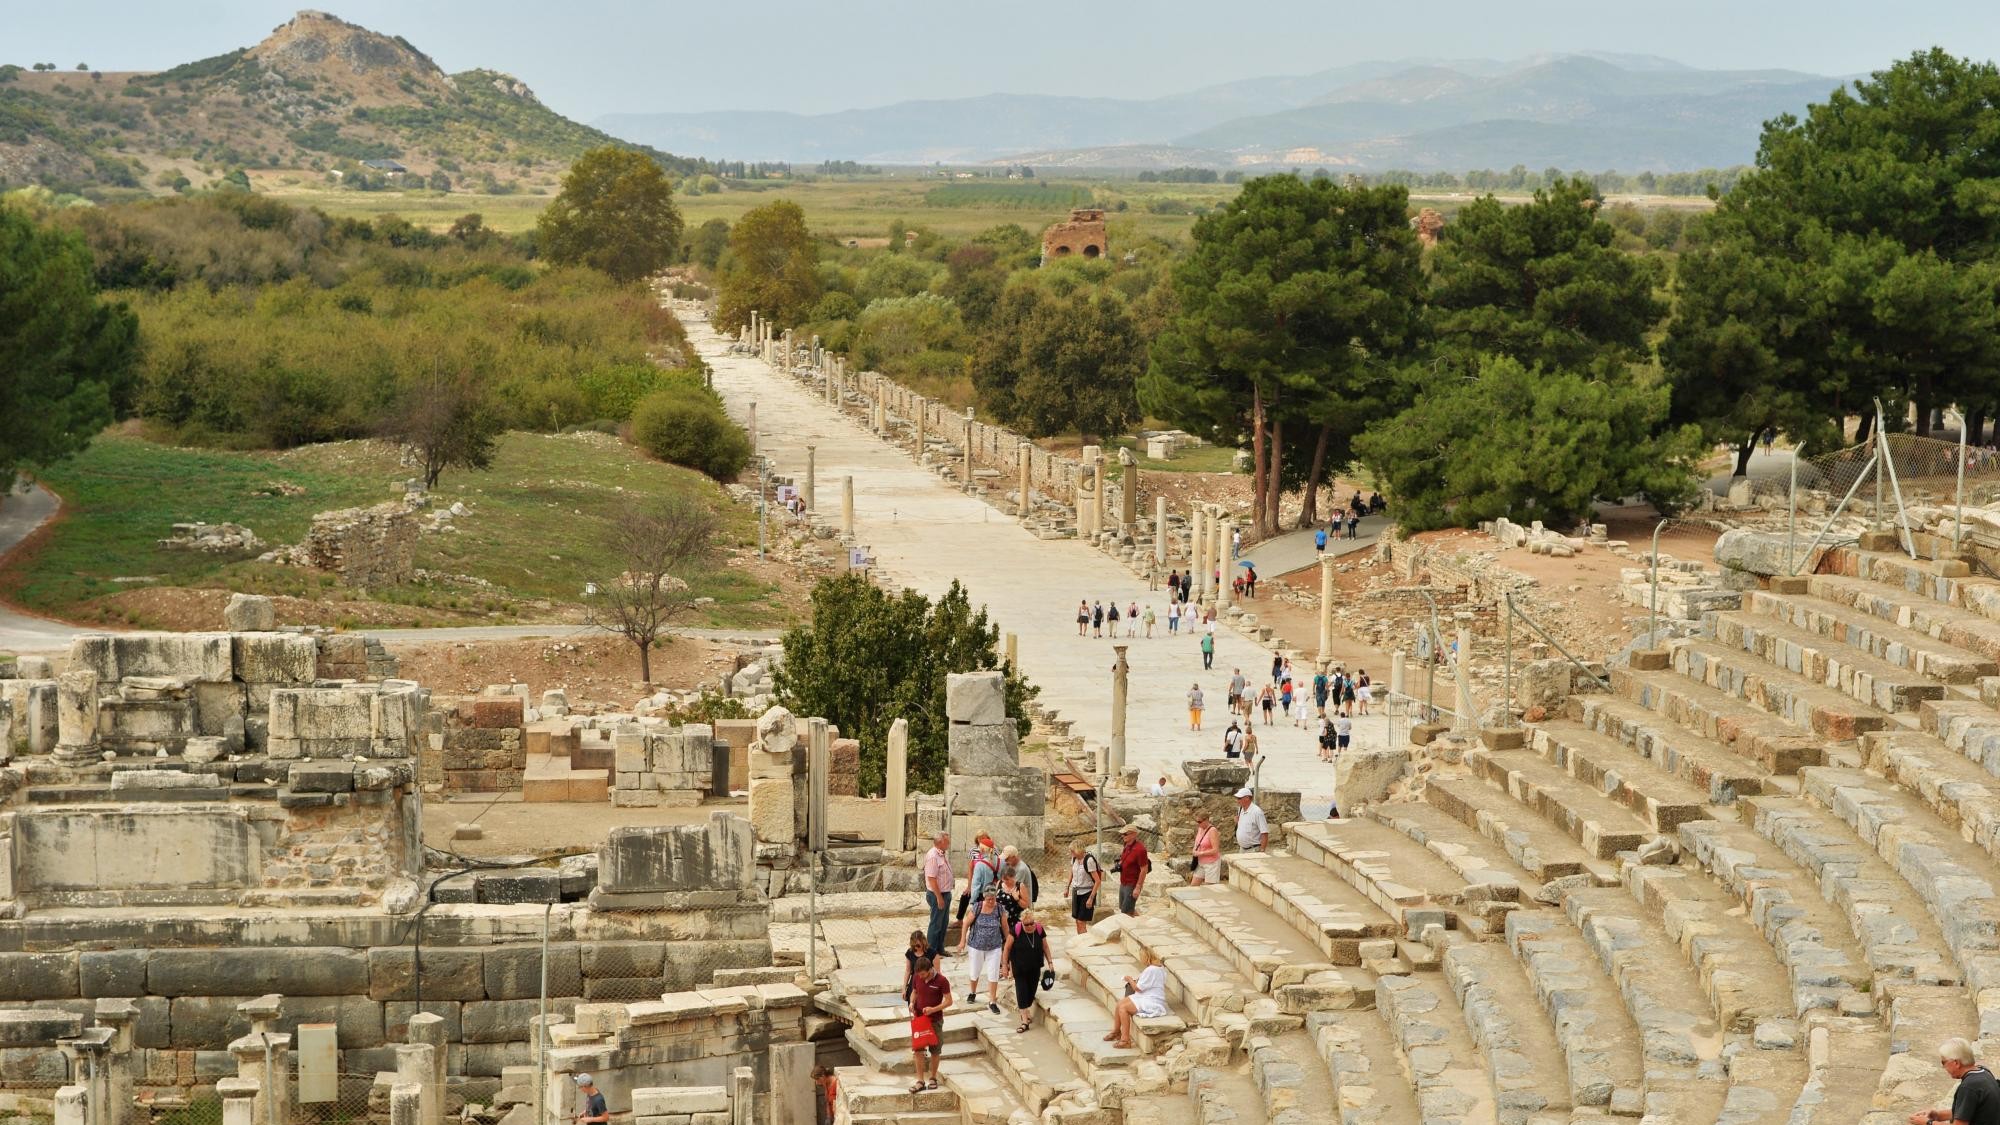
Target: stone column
[[807, 492], [239, 1101], [754, 334], [1025, 454], [847, 505], [1103, 494], [415, 1065], [752, 427], [1225, 559], [922, 407], [1128, 492], [76, 714], [1396, 682], [968, 449], [785, 353], [1466, 722], [1007, 653], [428, 1029], [895, 785], [1325, 607], [1229, 567], [743, 1096], [73, 1107], [1119, 674], [1197, 546], [1159, 532], [121, 1017]]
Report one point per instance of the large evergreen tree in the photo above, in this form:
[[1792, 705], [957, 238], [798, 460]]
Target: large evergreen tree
[[770, 267], [66, 357], [616, 213], [1056, 364]]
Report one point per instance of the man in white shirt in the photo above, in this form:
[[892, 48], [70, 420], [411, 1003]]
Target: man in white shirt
[[1160, 788], [1232, 740], [1253, 832]]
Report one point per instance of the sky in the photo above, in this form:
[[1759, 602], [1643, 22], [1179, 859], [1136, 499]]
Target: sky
[[587, 58]]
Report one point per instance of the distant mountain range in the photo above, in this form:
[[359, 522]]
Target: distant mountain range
[[1574, 111]]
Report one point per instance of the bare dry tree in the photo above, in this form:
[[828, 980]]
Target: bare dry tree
[[660, 545]]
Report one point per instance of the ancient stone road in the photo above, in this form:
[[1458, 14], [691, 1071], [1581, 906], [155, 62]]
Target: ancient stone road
[[924, 533]]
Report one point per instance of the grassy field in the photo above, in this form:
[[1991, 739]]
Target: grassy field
[[534, 531]]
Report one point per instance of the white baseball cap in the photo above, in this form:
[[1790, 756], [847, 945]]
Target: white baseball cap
[[583, 1079], [1244, 793]]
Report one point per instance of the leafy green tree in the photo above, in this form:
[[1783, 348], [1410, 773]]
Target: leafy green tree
[[1053, 365], [615, 213], [66, 357], [868, 657], [658, 546], [448, 421], [706, 243], [1296, 307], [1527, 444], [770, 267], [974, 280], [894, 329], [1867, 246], [684, 424], [1542, 282]]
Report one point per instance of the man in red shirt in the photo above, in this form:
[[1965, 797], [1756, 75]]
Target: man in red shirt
[[930, 995], [1133, 865]]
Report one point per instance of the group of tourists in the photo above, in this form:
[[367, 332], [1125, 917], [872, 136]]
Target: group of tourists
[[1346, 522], [1100, 620]]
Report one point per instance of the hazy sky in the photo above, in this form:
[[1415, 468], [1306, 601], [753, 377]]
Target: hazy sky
[[590, 57]]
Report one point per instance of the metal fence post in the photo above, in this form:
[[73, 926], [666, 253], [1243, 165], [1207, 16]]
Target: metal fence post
[[1844, 501], [1888, 458], [1958, 494], [1792, 508], [1653, 598], [1507, 676]]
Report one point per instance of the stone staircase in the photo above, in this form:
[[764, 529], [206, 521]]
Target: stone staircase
[[1754, 882]]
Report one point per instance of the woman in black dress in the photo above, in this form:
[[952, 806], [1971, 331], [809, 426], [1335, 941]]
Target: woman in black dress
[[1027, 953]]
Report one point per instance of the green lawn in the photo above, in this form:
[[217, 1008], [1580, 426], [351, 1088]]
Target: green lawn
[[535, 528], [1198, 459]]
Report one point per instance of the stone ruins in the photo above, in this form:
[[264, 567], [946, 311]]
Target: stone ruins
[[1082, 234]]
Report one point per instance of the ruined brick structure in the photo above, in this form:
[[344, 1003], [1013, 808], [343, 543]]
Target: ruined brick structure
[[1083, 235]]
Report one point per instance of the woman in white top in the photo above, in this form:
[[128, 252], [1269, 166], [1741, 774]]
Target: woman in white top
[[1148, 998]]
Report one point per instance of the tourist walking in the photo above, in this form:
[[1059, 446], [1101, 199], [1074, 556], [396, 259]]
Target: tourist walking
[[1133, 864], [1326, 737], [1277, 667], [1354, 521], [1343, 732], [1149, 621], [1250, 746], [1027, 952], [1319, 541], [1097, 619], [1250, 582], [983, 937], [981, 864], [930, 996], [1232, 740], [1132, 619], [1012, 868], [1111, 619], [1207, 853], [1194, 706], [937, 889], [1174, 585], [1253, 832], [1267, 699], [1145, 995], [1364, 692], [1086, 875], [1173, 617], [1977, 1099], [1082, 617], [1236, 685], [920, 948], [1208, 650], [595, 1112], [1320, 685]]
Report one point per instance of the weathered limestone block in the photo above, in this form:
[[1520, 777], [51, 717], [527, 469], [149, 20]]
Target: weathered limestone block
[[1758, 552], [187, 656], [718, 855], [450, 973], [983, 748], [77, 709], [771, 812], [35, 714], [274, 658], [765, 767], [249, 613], [311, 971], [1216, 775], [1024, 792], [514, 972], [1360, 776], [778, 730], [975, 697]]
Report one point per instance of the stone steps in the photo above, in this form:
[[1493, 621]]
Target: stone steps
[[1825, 661], [1367, 1078], [1225, 1097], [869, 1095], [1688, 755], [1971, 729], [1475, 858], [1200, 980], [1539, 848], [1748, 988], [1950, 874], [1317, 904], [1031, 1064], [1749, 732], [1159, 1109], [1918, 652], [1267, 951], [1961, 628], [1290, 1079], [1600, 1043], [1524, 1062], [1942, 580], [1657, 796], [1678, 1031], [1078, 1024], [1962, 793], [1437, 1054], [1396, 873], [1098, 963], [1828, 712], [984, 1097], [1601, 825]]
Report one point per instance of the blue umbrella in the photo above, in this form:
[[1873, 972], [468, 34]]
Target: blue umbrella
[[1245, 562]]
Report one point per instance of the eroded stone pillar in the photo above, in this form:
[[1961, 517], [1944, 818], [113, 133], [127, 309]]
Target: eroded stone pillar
[[239, 1102], [921, 408], [428, 1028], [1325, 607], [1197, 547], [1223, 590], [76, 714], [406, 1104], [847, 505], [1465, 722], [416, 1064], [1128, 492], [1396, 681], [806, 491], [1120, 672], [968, 449], [743, 1096], [895, 785], [121, 1016], [1007, 653], [1024, 454], [1159, 531]]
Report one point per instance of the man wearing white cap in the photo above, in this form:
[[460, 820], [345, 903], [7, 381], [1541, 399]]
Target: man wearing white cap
[[1253, 832], [594, 1110]]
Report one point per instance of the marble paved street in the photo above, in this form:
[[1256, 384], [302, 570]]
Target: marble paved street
[[924, 533]]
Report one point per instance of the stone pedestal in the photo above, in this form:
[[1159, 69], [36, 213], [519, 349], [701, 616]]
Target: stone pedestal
[[896, 786], [76, 715], [1128, 491], [985, 783]]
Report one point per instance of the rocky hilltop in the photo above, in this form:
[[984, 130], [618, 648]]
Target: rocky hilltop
[[320, 96]]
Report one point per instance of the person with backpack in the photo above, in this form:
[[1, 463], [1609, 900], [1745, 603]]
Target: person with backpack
[[1086, 875], [1097, 619], [1207, 652], [1027, 952], [1111, 619], [980, 869]]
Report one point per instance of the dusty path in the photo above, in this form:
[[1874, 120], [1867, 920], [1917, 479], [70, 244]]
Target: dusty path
[[924, 533], [22, 511]]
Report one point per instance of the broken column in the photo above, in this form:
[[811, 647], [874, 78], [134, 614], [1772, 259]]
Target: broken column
[[1466, 721], [984, 772], [1159, 531], [1128, 492], [922, 408], [76, 715], [847, 505], [1325, 608], [1024, 453], [1223, 590], [239, 1102], [415, 1063], [1119, 673], [896, 780], [968, 449], [807, 491], [774, 764]]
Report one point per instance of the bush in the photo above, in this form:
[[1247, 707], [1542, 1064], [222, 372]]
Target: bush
[[684, 424]]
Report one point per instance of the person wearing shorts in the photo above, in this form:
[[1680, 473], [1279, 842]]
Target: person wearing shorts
[[983, 939], [1207, 853], [930, 995], [1343, 732], [1364, 692], [1085, 876], [1082, 618]]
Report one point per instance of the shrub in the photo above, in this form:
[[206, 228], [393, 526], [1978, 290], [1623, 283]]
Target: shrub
[[684, 424]]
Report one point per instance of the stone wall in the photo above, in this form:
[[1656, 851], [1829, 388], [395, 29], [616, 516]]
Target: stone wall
[[374, 546], [480, 745], [985, 783]]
